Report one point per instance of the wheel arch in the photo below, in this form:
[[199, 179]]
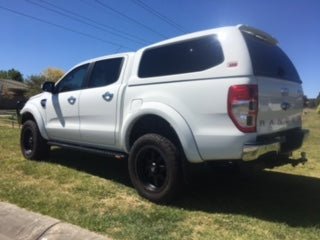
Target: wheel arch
[[162, 119], [29, 112]]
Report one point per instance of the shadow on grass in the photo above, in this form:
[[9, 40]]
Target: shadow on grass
[[100, 166], [271, 196]]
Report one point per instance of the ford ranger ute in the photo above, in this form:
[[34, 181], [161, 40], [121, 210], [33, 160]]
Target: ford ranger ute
[[222, 94]]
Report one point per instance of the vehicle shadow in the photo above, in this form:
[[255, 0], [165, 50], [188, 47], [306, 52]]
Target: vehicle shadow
[[100, 166], [267, 195], [271, 196]]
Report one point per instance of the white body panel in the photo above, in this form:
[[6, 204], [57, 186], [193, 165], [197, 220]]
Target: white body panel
[[204, 110], [98, 116], [62, 117]]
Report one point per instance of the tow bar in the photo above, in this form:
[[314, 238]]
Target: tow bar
[[302, 160]]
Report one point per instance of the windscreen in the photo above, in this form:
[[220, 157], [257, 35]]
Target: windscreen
[[269, 60]]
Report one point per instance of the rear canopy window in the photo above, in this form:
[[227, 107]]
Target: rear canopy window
[[183, 57], [269, 60]]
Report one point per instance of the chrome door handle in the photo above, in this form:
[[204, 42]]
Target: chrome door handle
[[71, 100], [107, 96]]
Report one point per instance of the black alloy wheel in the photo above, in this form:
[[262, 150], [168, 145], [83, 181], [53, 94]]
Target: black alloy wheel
[[33, 145], [151, 168], [154, 168], [28, 142]]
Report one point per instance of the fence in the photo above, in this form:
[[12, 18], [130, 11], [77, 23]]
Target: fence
[[9, 118]]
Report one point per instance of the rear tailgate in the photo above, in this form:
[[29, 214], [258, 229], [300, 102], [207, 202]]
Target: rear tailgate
[[279, 85], [280, 105]]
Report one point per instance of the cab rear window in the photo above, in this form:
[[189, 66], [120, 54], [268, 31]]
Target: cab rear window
[[269, 60]]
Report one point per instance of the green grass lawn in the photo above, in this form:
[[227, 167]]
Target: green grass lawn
[[9, 120], [95, 193]]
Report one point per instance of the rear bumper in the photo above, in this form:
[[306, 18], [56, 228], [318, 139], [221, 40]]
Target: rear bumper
[[253, 151], [282, 143]]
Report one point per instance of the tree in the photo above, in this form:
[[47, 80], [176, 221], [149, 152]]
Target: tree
[[318, 100], [52, 74], [4, 74], [15, 75], [12, 74], [34, 83]]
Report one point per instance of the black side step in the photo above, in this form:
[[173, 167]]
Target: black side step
[[108, 153]]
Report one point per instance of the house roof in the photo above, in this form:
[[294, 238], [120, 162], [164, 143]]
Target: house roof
[[11, 84]]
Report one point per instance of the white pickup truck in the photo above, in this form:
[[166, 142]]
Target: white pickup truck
[[223, 94]]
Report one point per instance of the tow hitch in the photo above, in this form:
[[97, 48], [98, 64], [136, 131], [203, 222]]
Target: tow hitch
[[271, 161], [286, 159], [302, 160]]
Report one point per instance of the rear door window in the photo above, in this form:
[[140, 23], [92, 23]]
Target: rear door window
[[105, 72], [269, 60], [182, 57]]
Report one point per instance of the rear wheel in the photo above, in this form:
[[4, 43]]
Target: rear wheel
[[33, 145], [154, 168]]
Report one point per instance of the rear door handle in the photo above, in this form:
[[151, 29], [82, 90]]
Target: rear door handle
[[71, 100], [107, 96]]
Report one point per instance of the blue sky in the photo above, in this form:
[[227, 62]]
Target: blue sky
[[101, 27]]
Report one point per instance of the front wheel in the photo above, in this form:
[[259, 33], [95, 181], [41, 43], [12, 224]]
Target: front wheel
[[154, 168], [33, 145]]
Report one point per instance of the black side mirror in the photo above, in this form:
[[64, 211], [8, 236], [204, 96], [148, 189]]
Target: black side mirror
[[48, 87]]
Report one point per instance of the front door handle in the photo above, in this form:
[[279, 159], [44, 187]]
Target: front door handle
[[71, 100], [107, 96]]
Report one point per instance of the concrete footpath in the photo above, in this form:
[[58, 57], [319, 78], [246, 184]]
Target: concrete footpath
[[19, 224]]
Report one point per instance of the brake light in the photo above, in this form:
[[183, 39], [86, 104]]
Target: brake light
[[243, 107]]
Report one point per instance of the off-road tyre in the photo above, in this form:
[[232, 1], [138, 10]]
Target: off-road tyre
[[155, 169], [33, 145]]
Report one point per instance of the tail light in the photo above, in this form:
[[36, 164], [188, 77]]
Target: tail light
[[243, 107]]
